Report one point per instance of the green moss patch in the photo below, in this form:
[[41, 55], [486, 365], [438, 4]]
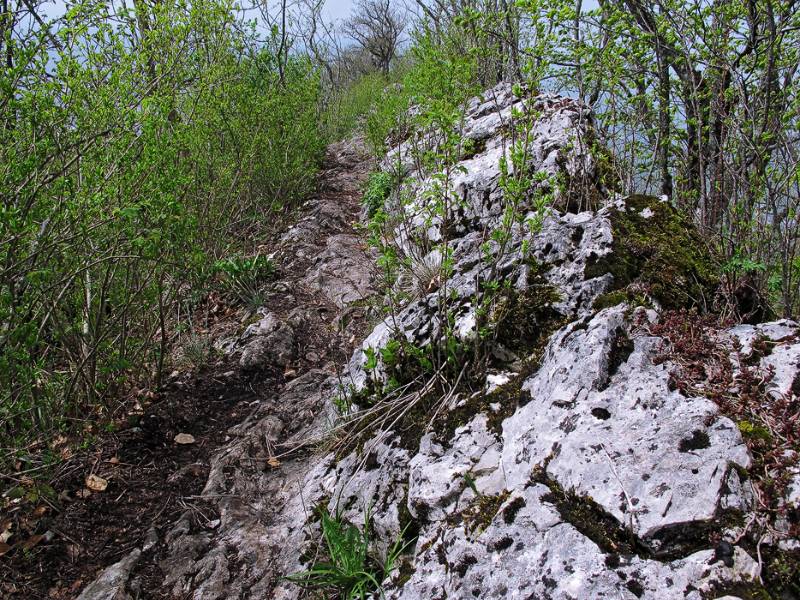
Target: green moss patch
[[745, 591], [590, 519], [627, 294], [534, 324], [656, 253], [471, 147], [479, 514], [616, 540], [524, 322], [524, 318]]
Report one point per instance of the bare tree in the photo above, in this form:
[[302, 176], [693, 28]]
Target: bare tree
[[319, 37], [278, 22], [376, 26]]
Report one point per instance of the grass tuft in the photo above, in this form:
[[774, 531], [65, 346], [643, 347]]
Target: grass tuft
[[350, 571]]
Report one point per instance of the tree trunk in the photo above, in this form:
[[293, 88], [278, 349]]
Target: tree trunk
[[664, 121]]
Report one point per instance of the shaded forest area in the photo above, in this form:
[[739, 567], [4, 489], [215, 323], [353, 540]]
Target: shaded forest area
[[149, 153]]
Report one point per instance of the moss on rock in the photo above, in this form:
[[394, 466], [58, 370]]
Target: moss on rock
[[476, 517], [656, 253], [590, 519], [523, 318], [525, 321]]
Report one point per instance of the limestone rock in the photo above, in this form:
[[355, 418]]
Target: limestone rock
[[560, 151], [527, 550], [603, 422], [269, 342], [337, 271], [781, 356], [563, 249], [111, 584], [581, 473]]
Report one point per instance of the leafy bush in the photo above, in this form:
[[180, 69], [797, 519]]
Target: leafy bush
[[435, 76], [387, 119], [347, 107], [440, 80], [379, 186], [128, 157], [435, 79]]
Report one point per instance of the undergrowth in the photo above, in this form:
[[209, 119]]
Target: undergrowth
[[244, 277], [125, 169], [379, 186], [347, 567]]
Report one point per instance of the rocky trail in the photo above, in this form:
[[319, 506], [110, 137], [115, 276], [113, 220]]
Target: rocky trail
[[308, 326], [590, 434]]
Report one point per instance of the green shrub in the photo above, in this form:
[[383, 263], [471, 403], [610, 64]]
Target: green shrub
[[346, 108], [124, 167], [440, 80], [379, 186], [387, 120]]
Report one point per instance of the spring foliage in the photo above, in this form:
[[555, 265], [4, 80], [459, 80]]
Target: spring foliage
[[135, 148], [693, 99], [140, 147]]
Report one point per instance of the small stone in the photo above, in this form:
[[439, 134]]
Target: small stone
[[150, 540], [724, 552], [270, 342], [96, 483]]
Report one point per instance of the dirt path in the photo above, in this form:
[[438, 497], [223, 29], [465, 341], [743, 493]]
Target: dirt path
[[155, 485]]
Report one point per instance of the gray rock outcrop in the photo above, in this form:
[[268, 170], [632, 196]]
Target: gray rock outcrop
[[571, 468], [269, 341]]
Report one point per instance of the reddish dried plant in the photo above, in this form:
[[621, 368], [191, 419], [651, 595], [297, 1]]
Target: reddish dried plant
[[707, 364]]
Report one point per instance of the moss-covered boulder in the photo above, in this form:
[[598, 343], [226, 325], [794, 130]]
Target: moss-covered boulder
[[657, 255]]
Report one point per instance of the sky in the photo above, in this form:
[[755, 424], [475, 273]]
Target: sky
[[334, 9], [337, 9]]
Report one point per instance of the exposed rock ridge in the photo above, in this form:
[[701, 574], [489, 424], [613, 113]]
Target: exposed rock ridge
[[580, 473], [608, 482]]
